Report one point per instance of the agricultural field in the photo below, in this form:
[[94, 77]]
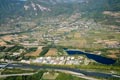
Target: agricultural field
[[52, 52], [36, 53]]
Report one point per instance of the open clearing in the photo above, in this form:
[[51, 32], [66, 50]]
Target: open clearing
[[51, 52], [50, 76]]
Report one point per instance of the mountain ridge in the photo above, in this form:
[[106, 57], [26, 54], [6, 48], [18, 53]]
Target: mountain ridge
[[32, 8]]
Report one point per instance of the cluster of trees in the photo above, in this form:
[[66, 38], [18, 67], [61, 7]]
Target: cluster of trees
[[44, 51], [10, 49]]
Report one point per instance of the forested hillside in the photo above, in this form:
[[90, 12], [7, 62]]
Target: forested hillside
[[12, 9]]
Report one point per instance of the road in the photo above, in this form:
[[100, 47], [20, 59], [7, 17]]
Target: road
[[84, 72], [64, 71], [24, 74]]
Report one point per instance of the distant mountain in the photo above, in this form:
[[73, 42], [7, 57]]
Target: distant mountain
[[13, 9]]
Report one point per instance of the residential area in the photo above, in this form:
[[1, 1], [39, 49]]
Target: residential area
[[63, 60]]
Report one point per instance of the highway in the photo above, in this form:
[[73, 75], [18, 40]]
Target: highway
[[64, 71], [78, 71]]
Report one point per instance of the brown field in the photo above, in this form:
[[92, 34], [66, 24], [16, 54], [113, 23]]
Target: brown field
[[80, 43], [2, 43], [115, 14], [7, 38], [113, 53], [36, 53], [51, 52], [77, 35], [112, 56]]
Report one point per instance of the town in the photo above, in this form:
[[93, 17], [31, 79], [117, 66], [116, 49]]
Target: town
[[64, 60]]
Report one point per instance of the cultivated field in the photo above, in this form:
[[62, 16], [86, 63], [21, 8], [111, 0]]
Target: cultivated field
[[51, 52], [36, 53]]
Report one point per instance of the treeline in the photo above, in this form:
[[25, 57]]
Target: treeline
[[10, 49], [44, 51]]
